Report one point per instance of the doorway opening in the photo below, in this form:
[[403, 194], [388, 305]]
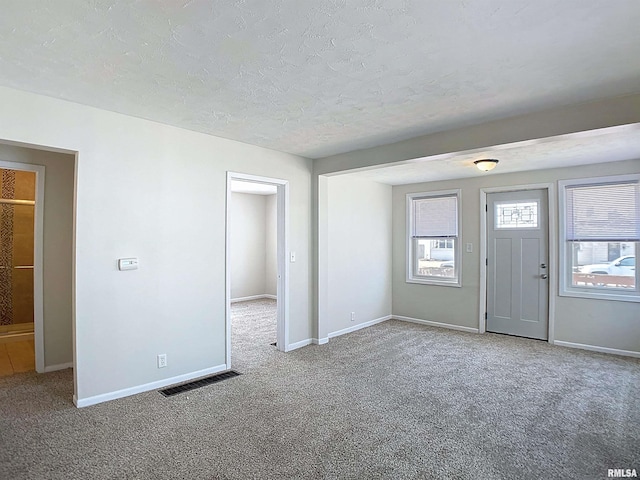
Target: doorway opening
[[53, 250], [21, 322], [256, 266], [518, 267]]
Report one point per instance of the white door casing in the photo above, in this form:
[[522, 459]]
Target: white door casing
[[282, 284], [518, 263], [38, 257]]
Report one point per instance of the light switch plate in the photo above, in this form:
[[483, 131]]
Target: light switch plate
[[130, 263], [469, 247]]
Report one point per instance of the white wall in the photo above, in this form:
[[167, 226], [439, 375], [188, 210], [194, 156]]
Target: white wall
[[359, 252], [601, 323], [253, 237], [57, 247], [156, 192]]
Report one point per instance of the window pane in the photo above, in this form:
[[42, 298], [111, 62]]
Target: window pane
[[603, 265], [434, 258], [516, 215]]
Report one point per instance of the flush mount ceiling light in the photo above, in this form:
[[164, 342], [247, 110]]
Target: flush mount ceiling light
[[486, 164]]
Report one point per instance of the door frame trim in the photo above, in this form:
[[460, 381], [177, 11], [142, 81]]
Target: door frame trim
[[553, 254], [38, 257], [282, 289]]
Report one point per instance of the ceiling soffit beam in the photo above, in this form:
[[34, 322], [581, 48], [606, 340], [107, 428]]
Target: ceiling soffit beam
[[566, 120]]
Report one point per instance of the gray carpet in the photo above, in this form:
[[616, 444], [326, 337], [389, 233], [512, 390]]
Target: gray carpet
[[395, 400]]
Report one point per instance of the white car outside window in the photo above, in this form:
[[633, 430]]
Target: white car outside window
[[624, 266]]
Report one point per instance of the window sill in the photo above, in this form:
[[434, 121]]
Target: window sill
[[602, 296], [430, 281]]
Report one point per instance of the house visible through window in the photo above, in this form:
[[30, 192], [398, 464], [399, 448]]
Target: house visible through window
[[601, 231], [448, 243], [433, 230]]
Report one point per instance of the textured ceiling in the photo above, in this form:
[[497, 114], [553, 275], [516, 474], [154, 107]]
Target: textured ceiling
[[612, 144], [319, 77]]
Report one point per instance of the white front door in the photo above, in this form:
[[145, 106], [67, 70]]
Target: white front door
[[517, 263]]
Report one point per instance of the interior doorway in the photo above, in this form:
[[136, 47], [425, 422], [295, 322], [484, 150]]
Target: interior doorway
[[252, 275], [21, 312], [54, 233]]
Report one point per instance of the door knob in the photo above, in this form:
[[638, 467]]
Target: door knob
[[544, 276]]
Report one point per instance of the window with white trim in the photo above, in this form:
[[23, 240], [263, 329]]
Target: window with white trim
[[433, 238], [600, 232]]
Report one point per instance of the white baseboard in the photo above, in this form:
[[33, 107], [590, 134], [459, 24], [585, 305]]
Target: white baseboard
[[435, 324], [308, 341], [359, 326], [595, 348], [303, 343], [105, 397], [253, 297], [61, 366]]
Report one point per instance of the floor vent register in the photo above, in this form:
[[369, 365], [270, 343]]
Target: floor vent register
[[186, 387]]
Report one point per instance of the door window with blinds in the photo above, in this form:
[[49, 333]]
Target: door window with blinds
[[600, 231], [433, 238]]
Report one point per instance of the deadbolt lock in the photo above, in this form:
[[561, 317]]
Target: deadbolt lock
[[543, 265]]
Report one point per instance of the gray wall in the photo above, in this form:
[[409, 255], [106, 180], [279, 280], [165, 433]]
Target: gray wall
[[577, 320], [359, 252], [253, 247], [603, 323], [57, 247]]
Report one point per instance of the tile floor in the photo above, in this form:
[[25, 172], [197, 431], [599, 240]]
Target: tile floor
[[17, 357]]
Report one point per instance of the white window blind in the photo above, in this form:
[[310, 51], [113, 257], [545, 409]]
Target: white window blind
[[603, 212], [435, 217]]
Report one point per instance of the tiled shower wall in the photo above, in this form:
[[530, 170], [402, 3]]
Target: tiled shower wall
[[16, 248]]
